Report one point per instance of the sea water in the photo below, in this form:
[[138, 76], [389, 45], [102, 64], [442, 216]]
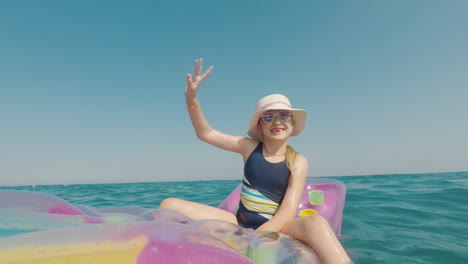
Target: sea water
[[404, 218]]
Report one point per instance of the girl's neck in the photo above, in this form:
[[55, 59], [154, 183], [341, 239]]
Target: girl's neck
[[274, 149]]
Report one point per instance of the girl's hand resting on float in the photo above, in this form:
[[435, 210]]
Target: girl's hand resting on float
[[194, 81]]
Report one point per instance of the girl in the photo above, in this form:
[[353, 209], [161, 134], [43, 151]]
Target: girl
[[274, 174]]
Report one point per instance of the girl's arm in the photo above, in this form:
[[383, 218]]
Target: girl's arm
[[202, 128], [288, 207]]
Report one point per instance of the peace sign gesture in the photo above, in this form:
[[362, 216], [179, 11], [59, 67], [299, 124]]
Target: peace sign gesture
[[194, 81]]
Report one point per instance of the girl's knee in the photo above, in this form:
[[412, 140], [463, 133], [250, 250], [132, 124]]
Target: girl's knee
[[316, 219], [170, 203], [313, 222]]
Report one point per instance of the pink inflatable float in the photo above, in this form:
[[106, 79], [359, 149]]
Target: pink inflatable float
[[41, 228], [325, 197]]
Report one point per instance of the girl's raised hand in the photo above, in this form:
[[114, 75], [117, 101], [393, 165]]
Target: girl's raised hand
[[194, 81]]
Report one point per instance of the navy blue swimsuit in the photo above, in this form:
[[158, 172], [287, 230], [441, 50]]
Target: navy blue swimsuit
[[263, 188]]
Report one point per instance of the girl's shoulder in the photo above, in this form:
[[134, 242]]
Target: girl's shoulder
[[301, 161], [248, 146], [301, 158]]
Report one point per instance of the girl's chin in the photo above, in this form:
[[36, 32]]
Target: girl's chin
[[277, 136]]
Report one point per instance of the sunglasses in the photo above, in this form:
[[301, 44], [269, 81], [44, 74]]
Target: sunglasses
[[268, 117]]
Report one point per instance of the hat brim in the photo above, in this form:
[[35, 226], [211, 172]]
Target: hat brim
[[299, 116]]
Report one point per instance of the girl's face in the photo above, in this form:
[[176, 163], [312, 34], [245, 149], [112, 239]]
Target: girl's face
[[276, 124]]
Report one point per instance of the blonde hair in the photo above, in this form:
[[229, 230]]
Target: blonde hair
[[290, 157]]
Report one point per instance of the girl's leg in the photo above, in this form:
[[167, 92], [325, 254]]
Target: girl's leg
[[197, 211], [317, 233]]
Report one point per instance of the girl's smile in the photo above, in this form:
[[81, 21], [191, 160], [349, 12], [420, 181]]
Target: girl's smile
[[277, 128]]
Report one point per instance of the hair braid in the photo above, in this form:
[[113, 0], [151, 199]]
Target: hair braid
[[290, 157]]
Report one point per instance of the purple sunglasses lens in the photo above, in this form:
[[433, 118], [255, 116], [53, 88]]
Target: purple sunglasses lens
[[268, 117]]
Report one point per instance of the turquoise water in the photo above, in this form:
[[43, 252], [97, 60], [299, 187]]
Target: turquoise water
[[405, 218]]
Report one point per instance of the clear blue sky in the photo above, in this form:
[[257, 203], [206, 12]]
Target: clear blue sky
[[92, 91]]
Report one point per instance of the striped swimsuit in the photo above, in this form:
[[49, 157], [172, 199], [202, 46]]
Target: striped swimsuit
[[263, 189]]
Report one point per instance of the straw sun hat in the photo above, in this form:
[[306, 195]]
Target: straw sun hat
[[276, 102]]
